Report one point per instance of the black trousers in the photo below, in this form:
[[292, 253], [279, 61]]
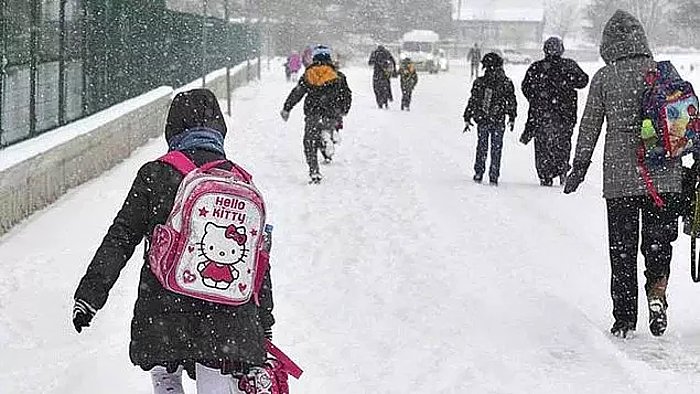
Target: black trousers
[[553, 149], [659, 228], [382, 90], [406, 97], [312, 139]]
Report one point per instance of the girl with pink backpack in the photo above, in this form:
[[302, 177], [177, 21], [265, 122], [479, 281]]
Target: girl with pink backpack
[[204, 301]]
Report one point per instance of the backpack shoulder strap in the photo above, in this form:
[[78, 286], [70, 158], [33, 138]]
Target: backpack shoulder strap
[[243, 173], [179, 161], [289, 366]]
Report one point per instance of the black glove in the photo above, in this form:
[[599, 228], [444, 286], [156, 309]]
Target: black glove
[[467, 126], [524, 138], [82, 314], [576, 176]]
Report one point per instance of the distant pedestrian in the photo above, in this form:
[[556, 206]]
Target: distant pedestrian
[[294, 62], [474, 57]]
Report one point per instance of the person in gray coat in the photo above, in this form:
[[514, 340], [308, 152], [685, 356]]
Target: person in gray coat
[[615, 97]]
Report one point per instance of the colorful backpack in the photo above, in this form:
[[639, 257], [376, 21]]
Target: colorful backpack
[[271, 378], [670, 121], [211, 246]]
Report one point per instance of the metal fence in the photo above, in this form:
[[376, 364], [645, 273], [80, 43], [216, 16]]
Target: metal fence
[[65, 59]]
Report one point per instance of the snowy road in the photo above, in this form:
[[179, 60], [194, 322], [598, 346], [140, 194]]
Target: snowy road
[[396, 275]]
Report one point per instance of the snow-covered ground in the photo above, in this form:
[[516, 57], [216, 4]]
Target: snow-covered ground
[[396, 275]]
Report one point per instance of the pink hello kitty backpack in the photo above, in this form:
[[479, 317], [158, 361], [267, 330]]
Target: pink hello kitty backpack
[[211, 246]]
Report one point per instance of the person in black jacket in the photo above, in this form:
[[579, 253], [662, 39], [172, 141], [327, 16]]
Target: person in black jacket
[[384, 69], [171, 332], [492, 99], [550, 86], [328, 99]]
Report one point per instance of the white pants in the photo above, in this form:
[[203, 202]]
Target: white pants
[[209, 381]]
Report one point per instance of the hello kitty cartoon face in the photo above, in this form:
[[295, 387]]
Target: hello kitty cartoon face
[[224, 245]]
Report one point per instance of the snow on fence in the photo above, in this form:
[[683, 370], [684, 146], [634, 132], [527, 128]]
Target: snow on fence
[[35, 173]]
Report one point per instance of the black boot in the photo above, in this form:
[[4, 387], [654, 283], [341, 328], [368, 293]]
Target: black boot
[[658, 320], [656, 299], [622, 329], [478, 178]]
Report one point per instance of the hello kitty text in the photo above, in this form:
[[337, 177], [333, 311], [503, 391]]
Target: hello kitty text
[[228, 208]]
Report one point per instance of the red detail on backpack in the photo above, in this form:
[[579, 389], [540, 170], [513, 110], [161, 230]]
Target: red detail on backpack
[[189, 277], [648, 183], [273, 376], [231, 265]]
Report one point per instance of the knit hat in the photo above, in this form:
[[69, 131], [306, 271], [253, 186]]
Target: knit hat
[[192, 109], [553, 47], [321, 53], [492, 61]]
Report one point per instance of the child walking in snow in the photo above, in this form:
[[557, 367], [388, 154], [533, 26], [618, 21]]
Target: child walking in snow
[[328, 99], [409, 80], [172, 332], [492, 99]]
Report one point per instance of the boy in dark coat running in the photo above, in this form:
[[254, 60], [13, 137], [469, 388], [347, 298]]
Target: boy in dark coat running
[[171, 332], [409, 80], [384, 69], [328, 99], [492, 99], [550, 86]]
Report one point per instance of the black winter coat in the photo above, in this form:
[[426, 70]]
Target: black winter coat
[[170, 329], [492, 99], [550, 86], [383, 62], [326, 90]]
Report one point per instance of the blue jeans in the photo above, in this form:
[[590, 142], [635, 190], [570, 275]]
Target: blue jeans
[[495, 133]]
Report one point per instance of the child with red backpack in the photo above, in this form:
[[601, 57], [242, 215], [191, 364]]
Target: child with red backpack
[[205, 297]]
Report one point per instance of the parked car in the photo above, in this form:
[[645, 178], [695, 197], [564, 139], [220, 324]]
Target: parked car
[[511, 56]]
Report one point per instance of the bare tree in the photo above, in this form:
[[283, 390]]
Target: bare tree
[[562, 17], [653, 14]]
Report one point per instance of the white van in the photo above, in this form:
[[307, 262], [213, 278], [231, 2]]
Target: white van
[[421, 46]]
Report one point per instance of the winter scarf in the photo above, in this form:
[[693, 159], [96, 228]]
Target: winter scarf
[[198, 138]]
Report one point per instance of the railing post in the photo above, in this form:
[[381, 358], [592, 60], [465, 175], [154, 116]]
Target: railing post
[[204, 43], [228, 59], [62, 63], [3, 63], [33, 44]]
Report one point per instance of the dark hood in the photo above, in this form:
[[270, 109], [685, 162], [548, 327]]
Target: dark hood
[[194, 109], [623, 37]]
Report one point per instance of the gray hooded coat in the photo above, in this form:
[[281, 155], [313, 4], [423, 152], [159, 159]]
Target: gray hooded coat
[[615, 97]]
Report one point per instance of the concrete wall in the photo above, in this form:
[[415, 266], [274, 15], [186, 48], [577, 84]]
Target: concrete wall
[[40, 179]]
